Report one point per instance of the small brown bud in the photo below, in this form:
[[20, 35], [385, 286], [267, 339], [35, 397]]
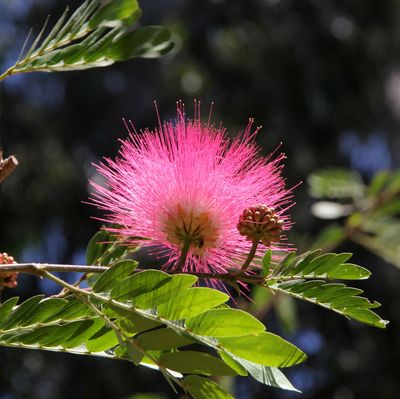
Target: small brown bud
[[260, 221], [7, 279], [7, 166]]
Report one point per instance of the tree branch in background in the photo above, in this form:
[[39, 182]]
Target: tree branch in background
[[7, 166]]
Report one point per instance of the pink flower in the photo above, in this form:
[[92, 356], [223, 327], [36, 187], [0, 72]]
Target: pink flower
[[184, 187]]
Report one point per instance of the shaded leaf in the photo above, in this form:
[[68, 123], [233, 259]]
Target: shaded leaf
[[191, 362], [203, 388], [271, 376], [162, 339], [147, 42], [102, 340], [103, 249], [116, 13]]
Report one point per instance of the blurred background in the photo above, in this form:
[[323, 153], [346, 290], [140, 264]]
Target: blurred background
[[321, 77]]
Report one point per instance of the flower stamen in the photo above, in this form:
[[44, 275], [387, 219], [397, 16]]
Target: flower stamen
[[191, 230]]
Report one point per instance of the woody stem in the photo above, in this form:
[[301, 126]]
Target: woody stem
[[251, 255], [182, 259]]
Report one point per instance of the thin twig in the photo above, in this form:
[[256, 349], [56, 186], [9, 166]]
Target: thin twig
[[7, 166], [39, 268]]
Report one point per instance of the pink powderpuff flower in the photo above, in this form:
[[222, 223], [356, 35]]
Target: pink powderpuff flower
[[185, 189]]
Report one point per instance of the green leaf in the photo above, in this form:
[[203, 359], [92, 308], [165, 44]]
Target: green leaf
[[74, 309], [264, 348], [103, 249], [140, 283], [96, 35], [267, 262], [313, 265], [48, 307], [116, 13], [380, 234], [378, 182], [147, 42], [233, 364], [149, 288], [134, 323], [95, 247], [393, 185], [115, 274], [191, 362], [336, 183], [21, 313], [6, 307], [191, 303], [102, 340], [165, 291], [349, 271], [162, 339], [203, 388], [108, 322], [337, 297], [267, 375], [224, 323], [66, 336]]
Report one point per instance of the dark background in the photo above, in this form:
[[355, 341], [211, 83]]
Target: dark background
[[322, 77]]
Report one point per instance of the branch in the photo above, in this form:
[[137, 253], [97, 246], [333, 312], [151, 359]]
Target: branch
[[39, 268], [7, 166]]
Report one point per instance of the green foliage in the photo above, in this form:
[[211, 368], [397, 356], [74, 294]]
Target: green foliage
[[104, 249], [203, 388], [97, 34], [225, 323], [335, 183], [187, 332], [267, 375], [374, 220], [152, 318], [305, 277]]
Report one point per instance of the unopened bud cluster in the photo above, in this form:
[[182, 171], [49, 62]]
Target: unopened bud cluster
[[262, 223], [7, 279]]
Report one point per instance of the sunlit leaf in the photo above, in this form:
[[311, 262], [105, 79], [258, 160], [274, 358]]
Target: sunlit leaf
[[267, 375], [97, 34], [224, 323], [264, 348]]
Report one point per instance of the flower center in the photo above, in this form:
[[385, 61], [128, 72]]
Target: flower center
[[191, 227]]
